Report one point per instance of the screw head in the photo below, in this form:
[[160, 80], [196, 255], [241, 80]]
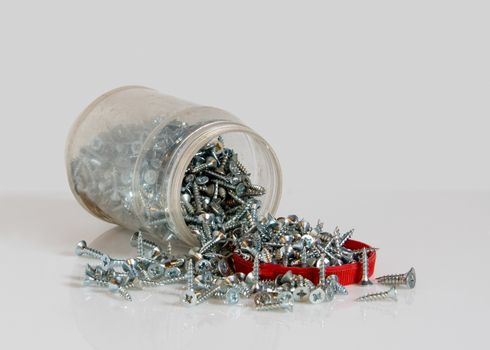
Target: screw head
[[262, 298], [232, 296], [189, 298], [156, 270], [411, 278], [106, 262], [329, 293], [317, 296], [172, 272], [284, 297], [301, 293], [80, 247]]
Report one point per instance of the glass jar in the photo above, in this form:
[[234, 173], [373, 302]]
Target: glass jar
[[128, 151]]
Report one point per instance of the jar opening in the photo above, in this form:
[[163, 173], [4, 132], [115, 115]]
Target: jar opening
[[253, 151]]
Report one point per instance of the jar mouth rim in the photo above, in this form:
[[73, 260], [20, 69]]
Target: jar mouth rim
[[195, 141]]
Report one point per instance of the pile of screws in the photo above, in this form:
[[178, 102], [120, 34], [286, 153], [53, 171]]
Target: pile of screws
[[220, 205], [154, 267]]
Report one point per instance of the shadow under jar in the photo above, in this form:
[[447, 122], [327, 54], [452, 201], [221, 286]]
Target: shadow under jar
[[127, 153]]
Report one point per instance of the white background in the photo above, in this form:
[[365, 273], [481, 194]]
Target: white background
[[378, 111]]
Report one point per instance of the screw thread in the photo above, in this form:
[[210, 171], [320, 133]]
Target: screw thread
[[273, 306], [124, 293], [346, 236], [236, 198], [379, 296], [163, 282], [392, 279], [241, 167], [190, 275], [93, 253], [139, 245], [365, 264], [188, 207], [321, 281], [93, 282], [256, 268], [197, 198], [208, 294], [208, 245]]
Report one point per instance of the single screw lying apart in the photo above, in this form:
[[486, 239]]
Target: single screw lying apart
[[83, 249], [405, 279], [365, 264], [389, 294]]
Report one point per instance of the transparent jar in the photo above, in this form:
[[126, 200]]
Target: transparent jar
[[127, 153]]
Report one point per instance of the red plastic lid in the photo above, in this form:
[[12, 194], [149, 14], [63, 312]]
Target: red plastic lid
[[347, 274]]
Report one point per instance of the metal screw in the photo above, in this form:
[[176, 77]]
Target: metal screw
[[83, 250], [405, 279], [389, 294], [321, 280], [190, 275], [317, 296], [208, 294], [333, 281], [288, 306], [365, 264], [232, 296]]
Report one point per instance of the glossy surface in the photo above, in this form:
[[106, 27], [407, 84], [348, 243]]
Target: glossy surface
[[443, 235]]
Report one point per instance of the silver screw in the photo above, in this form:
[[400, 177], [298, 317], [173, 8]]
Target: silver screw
[[288, 306], [163, 282], [232, 296], [220, 236], [190, 275], [321, 280], [405, 279], [210, 163], [365, 264], [333, 281], [83, 250], [389, 294], [317, 296], [146, 243], [208, 294]]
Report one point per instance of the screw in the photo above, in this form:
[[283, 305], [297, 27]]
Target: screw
[[406, 279], [163, 282], [365, 264], [389, 294], [208, 294], [317, 296], [288, 306], [83, 249], [321, 280], [146, 243], [190, 275], [232, 296], [333, 281], [155, 270], [219, 237], [210, 163]]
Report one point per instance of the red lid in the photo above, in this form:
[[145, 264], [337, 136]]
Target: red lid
[[347, 274]]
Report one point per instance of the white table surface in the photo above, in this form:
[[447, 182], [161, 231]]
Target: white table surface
[[444, 235]]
